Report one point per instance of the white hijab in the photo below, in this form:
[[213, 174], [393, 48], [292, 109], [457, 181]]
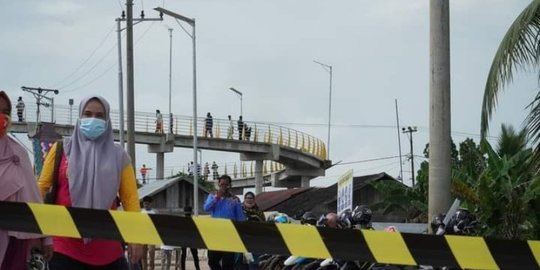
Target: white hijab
[[94, 166]]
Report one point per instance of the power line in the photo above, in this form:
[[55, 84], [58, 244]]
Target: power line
[[88, 71], [366, 160], [93, 80], [108, 69], [121, 7], [86, 60]]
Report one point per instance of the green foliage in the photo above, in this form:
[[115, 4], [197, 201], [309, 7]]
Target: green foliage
[[518, 50], [508, 195], [501, 187], [400, 198], [208, 185]]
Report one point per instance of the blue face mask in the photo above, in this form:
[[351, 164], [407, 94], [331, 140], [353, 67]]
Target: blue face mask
[[92, 128]]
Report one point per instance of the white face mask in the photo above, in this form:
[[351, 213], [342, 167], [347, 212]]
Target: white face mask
[[92, 128]]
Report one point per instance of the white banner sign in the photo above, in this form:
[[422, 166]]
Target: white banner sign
[[345, 192]]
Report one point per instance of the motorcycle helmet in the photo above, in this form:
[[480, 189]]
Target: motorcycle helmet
[[437, 222], [344, 219], [282, 218], [308, 218], [361, 215], [321, 222], [463, 222]]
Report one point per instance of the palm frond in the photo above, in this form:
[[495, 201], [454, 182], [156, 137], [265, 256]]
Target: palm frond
[[519, 49]]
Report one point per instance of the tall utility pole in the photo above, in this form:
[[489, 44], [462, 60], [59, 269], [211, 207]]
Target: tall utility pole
[[130, 84], [120, 81], [399, 144], [40, 93], [170, 82], [439, 198], [410, 131], [119, 30]]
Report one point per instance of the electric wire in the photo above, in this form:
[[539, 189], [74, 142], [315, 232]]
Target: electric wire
[[85, 61], [365, 160], [121, 7], [109, 68]]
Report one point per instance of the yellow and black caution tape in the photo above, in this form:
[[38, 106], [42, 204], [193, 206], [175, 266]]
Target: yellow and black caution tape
[[284, 239]]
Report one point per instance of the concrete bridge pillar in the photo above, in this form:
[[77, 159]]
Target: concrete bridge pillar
[[258, 176], [304, 181], [160, 165], [166, 145]]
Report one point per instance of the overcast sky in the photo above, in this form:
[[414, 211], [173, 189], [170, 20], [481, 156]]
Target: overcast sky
[[379, 51]]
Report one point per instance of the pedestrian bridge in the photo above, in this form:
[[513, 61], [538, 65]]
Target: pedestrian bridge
[[301, 156]]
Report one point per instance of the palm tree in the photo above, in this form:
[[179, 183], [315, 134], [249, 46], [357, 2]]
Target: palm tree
[[510, 142], [519, 50]]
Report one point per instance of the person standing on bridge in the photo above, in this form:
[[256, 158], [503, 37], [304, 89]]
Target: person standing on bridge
[[159, 122], [209, 124], [206, 171], [92, 172], [17, 184], [215, 174], [20, 109], [144, 171], [223, 204], [231, 129], [240, 128]]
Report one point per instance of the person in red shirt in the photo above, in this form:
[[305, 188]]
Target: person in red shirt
[[92, 172], [144, 171]]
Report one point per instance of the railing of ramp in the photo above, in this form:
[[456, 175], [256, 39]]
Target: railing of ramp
[[183, 125], [237, 170]]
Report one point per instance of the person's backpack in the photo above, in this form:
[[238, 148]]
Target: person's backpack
[[50, 196]]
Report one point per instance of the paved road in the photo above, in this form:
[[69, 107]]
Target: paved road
[[203, 262]]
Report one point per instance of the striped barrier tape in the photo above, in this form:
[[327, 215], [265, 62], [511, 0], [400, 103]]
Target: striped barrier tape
[[284, 239]]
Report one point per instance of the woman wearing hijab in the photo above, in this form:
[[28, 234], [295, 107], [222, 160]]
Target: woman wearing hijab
[[251, 210], [18, 184], [252, 213], [92, 172]]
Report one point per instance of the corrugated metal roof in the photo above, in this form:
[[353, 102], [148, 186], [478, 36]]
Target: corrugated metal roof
[[267, 200], [294, 201]]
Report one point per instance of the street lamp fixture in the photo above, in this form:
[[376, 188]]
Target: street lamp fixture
[[191, 22], [241, 101]]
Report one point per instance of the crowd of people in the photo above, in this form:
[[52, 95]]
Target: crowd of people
[[243, 130], [88, 170]]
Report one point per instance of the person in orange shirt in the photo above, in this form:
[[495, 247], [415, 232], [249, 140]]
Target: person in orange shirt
[[144, 171], [91, 173]]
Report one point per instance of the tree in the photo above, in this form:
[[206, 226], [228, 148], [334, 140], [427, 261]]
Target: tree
[[519, 49], [508, 195], [505, 193]]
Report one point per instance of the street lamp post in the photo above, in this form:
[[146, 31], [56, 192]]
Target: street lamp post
[[170, 82], [328, 68], [241, 101], [192, 35]]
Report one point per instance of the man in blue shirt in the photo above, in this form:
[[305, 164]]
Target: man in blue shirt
[[223, 204]]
